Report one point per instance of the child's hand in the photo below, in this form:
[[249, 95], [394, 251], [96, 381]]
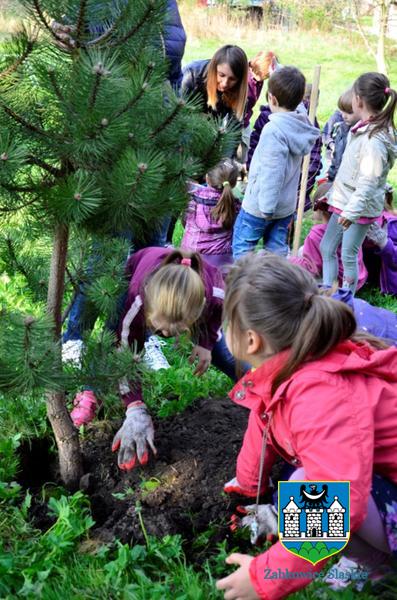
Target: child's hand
[[203, 357], [344, 222], [238, 585]]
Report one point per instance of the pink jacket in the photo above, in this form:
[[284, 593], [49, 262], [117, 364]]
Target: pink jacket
[[337, 418], [312, 261]]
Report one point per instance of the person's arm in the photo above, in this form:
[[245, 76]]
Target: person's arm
[[373, 160], [330, 448], [273, 155], [256, 132]]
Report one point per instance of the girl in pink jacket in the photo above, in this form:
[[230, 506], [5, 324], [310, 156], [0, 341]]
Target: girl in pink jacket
[[327, 397]]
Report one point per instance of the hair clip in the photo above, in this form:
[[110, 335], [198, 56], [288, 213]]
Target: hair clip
[[387, 91], [187, 262], [225, 183]]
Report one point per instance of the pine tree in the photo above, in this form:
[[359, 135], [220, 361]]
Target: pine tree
[[93, 141]]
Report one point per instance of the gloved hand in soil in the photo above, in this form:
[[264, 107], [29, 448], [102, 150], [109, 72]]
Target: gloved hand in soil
[[134, 436], [233, 487], [261, 522]]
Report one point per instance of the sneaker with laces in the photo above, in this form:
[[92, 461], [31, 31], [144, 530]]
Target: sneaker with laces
[[72, 352], [85, 407], [154, 356]]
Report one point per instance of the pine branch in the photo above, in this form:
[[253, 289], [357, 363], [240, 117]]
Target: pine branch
[[55, 86], [99, 71], [16, 208], [33, 160], [145, 18], [11, 113], [169, 119], [12, 68], [13, 256], [80, 20], [43, 20], [136, 99]]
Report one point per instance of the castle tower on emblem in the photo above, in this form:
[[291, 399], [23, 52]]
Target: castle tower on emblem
[[335, 519], [291, 519], [313, 522]]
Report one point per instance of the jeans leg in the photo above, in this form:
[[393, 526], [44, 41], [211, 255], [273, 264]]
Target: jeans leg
[[159, 236], [352, 241], [247, 232], [277, 238], [328, 247], [223, 360]]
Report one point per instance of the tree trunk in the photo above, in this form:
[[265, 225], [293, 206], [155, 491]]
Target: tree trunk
[[66, 436], [384, 8]]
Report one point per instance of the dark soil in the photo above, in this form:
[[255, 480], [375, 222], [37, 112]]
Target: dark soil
[[197, 453], [180, 492]]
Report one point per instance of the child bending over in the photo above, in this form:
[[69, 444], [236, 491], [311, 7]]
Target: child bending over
[[211, 214], [322, 392]]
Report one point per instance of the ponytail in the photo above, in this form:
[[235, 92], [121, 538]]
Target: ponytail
[[224, 177], [282, 303], [177, 256], [225, 210], [326, 322], [375, 91]]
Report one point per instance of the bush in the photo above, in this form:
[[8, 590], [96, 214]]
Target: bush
[[314, 14]]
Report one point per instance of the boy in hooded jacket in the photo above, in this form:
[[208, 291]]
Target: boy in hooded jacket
[[270, 198]]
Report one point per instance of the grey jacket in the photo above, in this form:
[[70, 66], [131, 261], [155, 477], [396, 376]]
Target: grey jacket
[[359, 186], [276, 165]]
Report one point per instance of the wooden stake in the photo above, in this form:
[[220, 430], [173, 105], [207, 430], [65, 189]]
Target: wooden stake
[[306, 162]]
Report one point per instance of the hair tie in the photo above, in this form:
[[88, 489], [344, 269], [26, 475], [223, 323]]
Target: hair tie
[[225, 183], [387, 91], [308, 299], [187, 262]]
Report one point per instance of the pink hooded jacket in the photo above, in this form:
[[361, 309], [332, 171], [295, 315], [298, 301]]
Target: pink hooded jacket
[[337, 418]]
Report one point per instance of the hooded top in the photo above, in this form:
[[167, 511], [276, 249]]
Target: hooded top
[[359, 187], [337, 418], [276, 165]]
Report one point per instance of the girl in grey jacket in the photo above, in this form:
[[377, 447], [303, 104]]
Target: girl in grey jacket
[[357, 196]]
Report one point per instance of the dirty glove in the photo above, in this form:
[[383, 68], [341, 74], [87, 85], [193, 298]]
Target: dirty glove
[[262, 521], [377, 235], [233, 487], [133, 437]]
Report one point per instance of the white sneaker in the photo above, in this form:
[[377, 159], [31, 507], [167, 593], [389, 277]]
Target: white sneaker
[[345, 572], [72, 352], [154, 357]]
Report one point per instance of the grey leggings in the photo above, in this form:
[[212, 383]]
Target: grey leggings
[[352, 239]]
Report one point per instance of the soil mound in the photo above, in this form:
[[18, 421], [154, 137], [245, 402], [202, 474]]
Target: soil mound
[[181, 491]]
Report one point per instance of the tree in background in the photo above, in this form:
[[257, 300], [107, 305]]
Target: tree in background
[[381, 11], [93, 142]]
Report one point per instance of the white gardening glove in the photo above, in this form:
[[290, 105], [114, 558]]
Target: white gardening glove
[[134, 436], [233, 487], [377, 235], [262, 521]]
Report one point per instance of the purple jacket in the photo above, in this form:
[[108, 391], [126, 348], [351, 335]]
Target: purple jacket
[[388, 256], [132, 327], [202, 232], [371, 319], [254, 91], [315, 155]]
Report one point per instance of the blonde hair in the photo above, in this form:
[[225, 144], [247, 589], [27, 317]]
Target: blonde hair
[[236, 98], [175, 292]]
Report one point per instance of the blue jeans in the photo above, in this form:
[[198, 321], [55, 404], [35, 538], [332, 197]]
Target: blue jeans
[[351, 240], [83, 313], [248, 230]]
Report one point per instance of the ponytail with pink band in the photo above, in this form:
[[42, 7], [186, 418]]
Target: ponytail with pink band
[[187, 262]]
